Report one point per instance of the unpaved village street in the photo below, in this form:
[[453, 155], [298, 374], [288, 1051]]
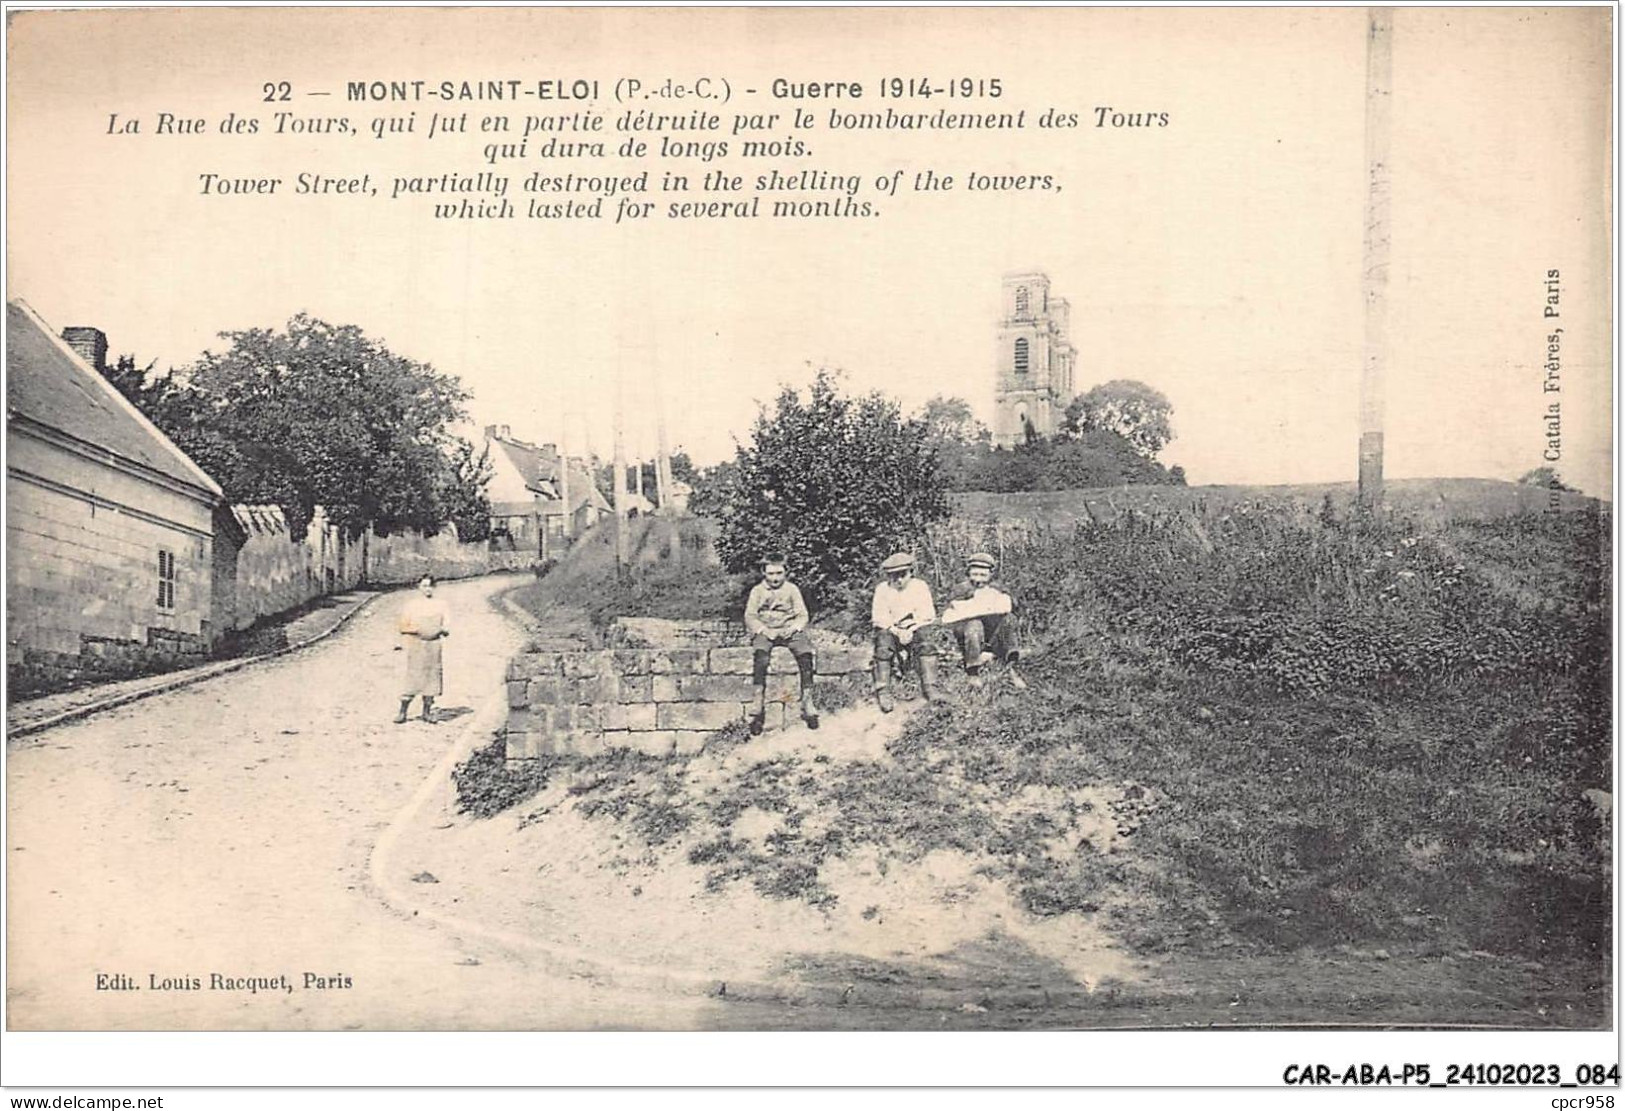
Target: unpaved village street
[[225, 829]]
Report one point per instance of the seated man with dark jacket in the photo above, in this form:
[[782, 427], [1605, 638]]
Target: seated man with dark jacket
[[981, 614]]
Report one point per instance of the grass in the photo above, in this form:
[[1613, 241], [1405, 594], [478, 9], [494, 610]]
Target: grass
[[657, 585], [1258, 729]]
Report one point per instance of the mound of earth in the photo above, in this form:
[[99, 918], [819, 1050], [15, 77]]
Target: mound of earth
[[718, 866]]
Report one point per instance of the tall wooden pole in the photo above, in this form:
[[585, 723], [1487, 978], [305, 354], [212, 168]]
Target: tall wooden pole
[[1378, 112], [674, 538], [622, 536], [564, 479]]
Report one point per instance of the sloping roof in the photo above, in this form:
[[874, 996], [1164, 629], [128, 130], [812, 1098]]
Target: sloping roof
[[527, 460], [540, 470], [47, 382]]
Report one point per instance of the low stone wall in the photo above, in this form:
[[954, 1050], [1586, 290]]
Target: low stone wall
[[659, 700]]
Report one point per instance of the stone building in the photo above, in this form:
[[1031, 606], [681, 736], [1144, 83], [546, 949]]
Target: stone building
[[109, 526], [1034, 373], [527, 499]]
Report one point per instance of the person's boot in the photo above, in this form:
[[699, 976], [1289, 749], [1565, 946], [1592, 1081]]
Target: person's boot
[[809, 709], [759, 718], [928, 678], [428, 709], [400, 718], [882, 682]]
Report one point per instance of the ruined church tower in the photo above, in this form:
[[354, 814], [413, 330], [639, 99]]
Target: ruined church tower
[[1033, 376]]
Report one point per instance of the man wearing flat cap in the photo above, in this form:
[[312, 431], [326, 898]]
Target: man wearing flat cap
[[981, 614], [903, 607]]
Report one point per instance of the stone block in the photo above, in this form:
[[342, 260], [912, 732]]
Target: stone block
[[633, 688], [535, 719], [738, 661], [689, 742], [632, 661], [730, 661], [588, 665], [632, 715], [679, 661], [527, 664], [547, 691], [528, 746], [651, 743], [705, 688], [588, 718], [588, 690], [783, 688], [579, 742], [842, 661], [517, 697], [697, 715]]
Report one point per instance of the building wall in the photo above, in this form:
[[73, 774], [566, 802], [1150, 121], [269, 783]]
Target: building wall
[[82, 544]]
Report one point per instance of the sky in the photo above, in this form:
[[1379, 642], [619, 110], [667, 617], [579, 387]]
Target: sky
[[1217, 258]]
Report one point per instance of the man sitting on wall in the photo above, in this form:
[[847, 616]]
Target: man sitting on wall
[[902, 610], [981, 614], [776, 615]]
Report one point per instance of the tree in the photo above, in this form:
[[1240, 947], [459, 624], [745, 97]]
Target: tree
[[1089, 460], [463, 497], [319, 414], [949, 420], [1131, 409], [835, 483], [1545, 477], [959, 439]]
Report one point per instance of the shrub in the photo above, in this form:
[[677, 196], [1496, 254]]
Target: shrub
[[834, 483]]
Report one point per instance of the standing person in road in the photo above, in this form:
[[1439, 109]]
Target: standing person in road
[[425, 622], [902, 609], [981, 615], [775, 615]]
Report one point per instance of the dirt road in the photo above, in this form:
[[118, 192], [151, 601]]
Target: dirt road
[[171, 857], [241, 854]]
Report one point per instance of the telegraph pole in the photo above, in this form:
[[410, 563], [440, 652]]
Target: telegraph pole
[[674, 538], [1378, 112], [564, 478], [622, 538]]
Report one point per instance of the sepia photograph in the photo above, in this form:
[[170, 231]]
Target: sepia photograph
[[563, 520]]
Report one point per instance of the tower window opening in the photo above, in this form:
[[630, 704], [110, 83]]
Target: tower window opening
[[1023, 301], [1021, 356]]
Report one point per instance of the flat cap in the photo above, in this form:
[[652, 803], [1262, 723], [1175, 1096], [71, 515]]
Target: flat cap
[[981, 559], [897, 561]]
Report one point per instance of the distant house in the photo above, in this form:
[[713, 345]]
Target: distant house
[[527, 492], [109, 525]]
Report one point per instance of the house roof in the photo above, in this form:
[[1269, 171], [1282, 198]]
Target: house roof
[[48, 383], [540, 470]]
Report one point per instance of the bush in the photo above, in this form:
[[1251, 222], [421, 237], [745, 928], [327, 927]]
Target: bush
[[834, 484], [1362, 730]]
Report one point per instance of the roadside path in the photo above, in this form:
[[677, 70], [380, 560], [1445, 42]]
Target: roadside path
[[34, 714], [226, 828]]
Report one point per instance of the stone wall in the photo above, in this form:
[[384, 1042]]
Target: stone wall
[[405, 557], [662, 701], [273, 573]]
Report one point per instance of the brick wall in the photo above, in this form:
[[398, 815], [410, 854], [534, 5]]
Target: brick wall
[[661, 701]]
